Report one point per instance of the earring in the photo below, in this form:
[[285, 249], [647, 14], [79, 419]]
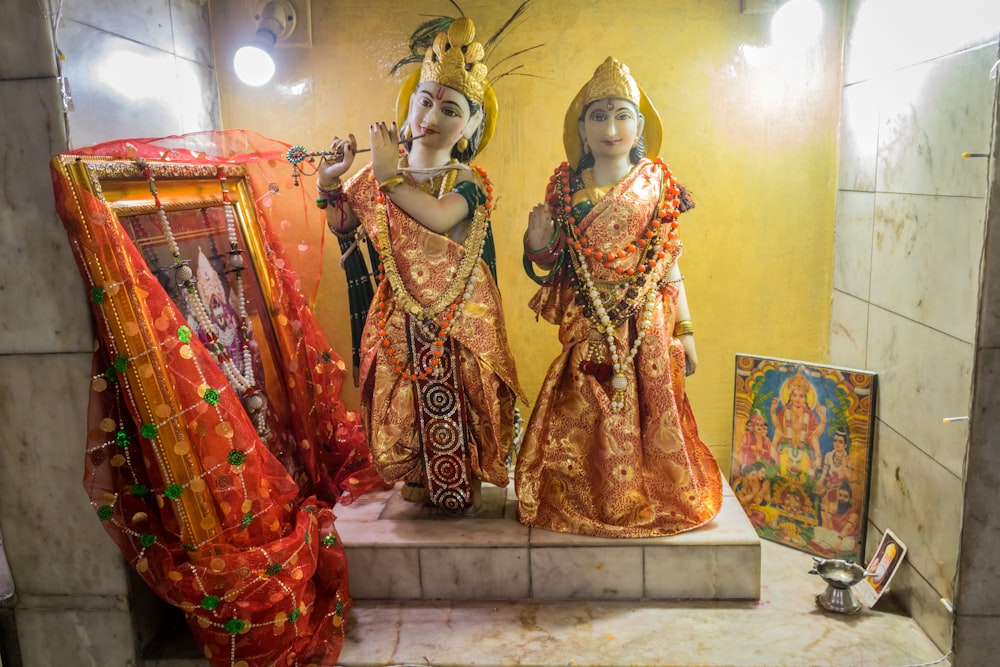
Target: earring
[[586, 148], [462, 144]]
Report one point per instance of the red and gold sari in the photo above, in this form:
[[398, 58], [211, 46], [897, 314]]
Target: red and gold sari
[[400, 413], [588, 469]]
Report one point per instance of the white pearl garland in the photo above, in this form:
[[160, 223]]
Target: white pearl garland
[[619, 381], [240, 377]]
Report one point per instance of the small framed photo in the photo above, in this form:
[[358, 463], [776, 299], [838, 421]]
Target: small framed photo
[[881, 569]]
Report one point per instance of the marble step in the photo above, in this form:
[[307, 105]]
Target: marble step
[[398, 550]]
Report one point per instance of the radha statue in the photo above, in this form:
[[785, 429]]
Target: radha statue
[[612, 447], [438, 382]]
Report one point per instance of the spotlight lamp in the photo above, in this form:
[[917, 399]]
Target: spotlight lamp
[[795, 24], [276, 22]]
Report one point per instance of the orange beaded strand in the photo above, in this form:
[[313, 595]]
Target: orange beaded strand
[[444, 321]]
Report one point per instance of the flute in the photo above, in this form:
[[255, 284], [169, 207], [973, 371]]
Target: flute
[[297, 154]]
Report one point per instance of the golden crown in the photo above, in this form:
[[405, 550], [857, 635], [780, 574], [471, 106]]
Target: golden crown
[[611, 79], [455, 60]]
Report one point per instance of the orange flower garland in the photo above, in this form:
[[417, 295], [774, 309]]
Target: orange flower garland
[[442, 315], [607, 319], [558, 192]]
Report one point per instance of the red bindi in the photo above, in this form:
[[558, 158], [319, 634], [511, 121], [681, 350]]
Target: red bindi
[[440, 92]]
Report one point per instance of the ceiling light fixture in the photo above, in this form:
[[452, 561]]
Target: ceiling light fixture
[[276, 21]]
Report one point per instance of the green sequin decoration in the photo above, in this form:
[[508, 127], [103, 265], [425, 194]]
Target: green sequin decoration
[[189, 547], [272, 569], [184, 334], [340, 608], [236, 457], [247, 520], [307, 539], [211, 396], [234, 626], [329, 540], [147, 539], [148, 431], [122, 439], [121, 363], [97, 295], [139, 489], [173, 491], [110, 374], [311, 509], [294, 615], [210, 602], [105, 512]]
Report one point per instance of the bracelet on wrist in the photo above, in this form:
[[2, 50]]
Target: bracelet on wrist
[[327, 197], [550, 253], [331, 188], [547, 279], [683, 328], [555, 235], [388, 184]]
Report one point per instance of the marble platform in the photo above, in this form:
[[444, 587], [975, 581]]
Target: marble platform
[[399, 550]]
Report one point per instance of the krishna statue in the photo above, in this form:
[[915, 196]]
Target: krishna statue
[[437, 378]]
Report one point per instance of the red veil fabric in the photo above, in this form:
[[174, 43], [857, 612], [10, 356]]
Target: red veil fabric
[[226, 533]]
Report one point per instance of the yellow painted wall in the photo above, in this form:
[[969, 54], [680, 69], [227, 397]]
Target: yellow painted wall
[[750, 131]]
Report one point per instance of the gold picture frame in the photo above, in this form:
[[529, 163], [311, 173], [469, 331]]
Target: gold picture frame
[[186, 192]]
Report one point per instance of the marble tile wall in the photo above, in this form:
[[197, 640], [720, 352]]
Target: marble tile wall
[[977, 628], [910, 237], [140, 68]]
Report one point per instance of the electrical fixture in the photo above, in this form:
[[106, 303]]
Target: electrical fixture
[[279, 23]]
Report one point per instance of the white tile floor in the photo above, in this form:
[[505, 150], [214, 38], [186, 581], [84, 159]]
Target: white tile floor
[[784, 628]]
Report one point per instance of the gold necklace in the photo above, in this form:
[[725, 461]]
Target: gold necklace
[[437, 185], [594, 191], [473, 251]]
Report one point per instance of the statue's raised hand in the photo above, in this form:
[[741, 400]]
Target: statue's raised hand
[[541, 227], [333, 166], [385, 150]]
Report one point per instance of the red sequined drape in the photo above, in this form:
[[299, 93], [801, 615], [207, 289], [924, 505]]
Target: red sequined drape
[[250, 554]]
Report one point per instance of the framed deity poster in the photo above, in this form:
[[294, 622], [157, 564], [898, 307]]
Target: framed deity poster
[[801, 459]]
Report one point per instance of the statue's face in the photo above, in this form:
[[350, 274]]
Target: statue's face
[[610, 127], [839, 444], [439, 113]]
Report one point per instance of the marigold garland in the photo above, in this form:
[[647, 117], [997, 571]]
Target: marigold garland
[[649, 272], [446, 309]]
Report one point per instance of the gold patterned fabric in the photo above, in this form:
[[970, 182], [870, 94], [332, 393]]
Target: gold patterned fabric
[[426, 262], [584, 468]]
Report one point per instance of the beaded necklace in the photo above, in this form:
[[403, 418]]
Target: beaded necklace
[[439, 317], [642, 282], [240, 375]]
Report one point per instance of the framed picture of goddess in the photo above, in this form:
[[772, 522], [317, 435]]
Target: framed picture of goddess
[[801, 458]]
